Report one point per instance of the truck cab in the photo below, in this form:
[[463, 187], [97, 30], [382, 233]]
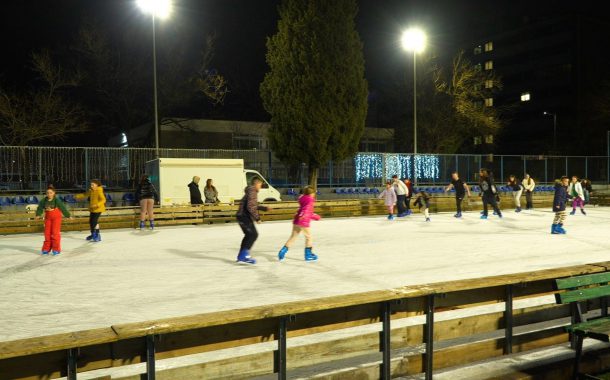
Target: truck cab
[[267, 193]]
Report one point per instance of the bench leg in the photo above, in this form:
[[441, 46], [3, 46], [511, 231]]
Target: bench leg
[[579, 339]]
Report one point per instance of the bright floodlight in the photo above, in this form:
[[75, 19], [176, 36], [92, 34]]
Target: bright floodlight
[[413, 40], [158, 8]]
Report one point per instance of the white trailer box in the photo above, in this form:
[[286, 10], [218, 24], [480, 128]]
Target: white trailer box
[[171, 177]]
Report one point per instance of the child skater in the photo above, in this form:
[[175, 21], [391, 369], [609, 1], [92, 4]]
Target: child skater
[[488, 193], [390, 199], [53, 209], [559, 205], [517, 189], [578, 196], [146, 196], [247, 215], [461, 188], [301, 222], [97, 205], [423, 200]]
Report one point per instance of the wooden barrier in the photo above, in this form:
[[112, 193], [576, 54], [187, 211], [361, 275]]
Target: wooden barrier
[[418, 347]]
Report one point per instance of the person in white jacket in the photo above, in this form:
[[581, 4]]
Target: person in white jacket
[[401, 195], [578, 196], [528, 185]]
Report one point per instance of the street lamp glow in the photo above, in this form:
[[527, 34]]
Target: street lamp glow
[[158, 8], [414, 40]]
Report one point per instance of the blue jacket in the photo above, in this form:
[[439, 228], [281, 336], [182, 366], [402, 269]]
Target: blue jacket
[[561, 198]]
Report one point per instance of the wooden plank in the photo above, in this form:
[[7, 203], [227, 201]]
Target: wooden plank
[[578, 281], [583, 294]]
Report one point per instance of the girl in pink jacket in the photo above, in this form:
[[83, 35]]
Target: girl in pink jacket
[[389, 195], [301, 223]]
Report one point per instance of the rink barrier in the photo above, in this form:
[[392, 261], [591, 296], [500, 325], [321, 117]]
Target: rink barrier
[[407, 350]]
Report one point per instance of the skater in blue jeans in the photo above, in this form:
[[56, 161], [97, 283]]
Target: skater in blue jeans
[[247, 215]]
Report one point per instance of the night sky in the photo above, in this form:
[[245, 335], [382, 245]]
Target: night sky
[[241, 27]]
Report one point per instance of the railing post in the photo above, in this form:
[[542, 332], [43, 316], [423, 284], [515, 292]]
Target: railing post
[[501, 168], [86, 167], [384, 341], [429, 363], [546, 170], [280, 356], [150, 357], [508, 321], [71, 365]]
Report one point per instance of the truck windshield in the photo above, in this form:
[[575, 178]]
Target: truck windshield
[[250, 176]]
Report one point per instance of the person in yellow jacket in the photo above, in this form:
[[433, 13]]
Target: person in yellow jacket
[[97, 205]]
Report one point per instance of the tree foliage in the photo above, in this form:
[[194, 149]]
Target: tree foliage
[[315, 90]]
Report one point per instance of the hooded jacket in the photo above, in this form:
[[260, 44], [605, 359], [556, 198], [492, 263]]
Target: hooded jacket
[[561, 198], [146, 190], [305, 213], [195, 194]]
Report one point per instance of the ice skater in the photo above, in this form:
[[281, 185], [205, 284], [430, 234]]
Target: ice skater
[[528, 186], [301, 223], [517, 191], [461, 188], [53, 209], [247, 215], [578, 196], [401, 195], [389, 196], [488, 193], [587, 190], [146, 196], [97, 205], [410, 192], [559, 205], [423, 201]]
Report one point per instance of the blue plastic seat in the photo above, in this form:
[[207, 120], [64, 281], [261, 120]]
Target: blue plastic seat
[[31, 200], [5, 201], [69, 199], [375, 190], [18, 200], [108, 197]]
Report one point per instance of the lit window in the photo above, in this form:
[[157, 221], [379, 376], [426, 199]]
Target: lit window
[[489, 102], [525, 97], [489, 139], [489, 46], [477, 50], [489, 65], [478, 140], [489, 83]]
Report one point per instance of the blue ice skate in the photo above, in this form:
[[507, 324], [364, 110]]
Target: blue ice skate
[[244, 257], [44, 253], [458, 215], [97, 237], [142, 224], [90, 237], [390, 217], [484, 217], [152, 224], [310, 256], [55, 253], [282, 253], [560, 229], [554, 229], [427, 219], [518, 209]]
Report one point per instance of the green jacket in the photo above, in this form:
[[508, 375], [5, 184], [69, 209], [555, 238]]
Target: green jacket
[[55, 203]]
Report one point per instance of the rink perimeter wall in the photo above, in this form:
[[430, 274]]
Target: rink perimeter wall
[[12, 222], [451, 324]]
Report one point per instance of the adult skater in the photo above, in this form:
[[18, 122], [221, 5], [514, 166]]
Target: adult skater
[[517, 190], [559, 205], [210, 192], [410, 192], [97, 205], [578, 196], [587, 189], [528, 186], [194, 191], [461, 188], [146, 197], [488, 193], [301, 223], [53, 209], [401, 195], [423, 201], [246, 216], [389, 196]]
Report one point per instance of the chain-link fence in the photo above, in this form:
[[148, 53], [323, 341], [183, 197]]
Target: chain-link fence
[[31, 168]]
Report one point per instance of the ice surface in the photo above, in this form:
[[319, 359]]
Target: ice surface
[[174, 271]]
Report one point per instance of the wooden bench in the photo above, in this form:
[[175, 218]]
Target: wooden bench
[[575, 290]]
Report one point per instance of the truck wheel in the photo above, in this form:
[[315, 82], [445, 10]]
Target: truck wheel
[[270, 200]]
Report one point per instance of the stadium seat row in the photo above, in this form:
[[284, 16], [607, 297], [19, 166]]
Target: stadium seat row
[[68, 198]]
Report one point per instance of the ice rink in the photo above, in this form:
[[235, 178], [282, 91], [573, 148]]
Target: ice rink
[[137, 275]]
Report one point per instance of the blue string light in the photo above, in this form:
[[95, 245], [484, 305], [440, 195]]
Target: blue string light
[[368, 166], [371, 166]]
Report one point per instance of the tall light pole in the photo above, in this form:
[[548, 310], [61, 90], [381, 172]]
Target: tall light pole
[[414, 40], [554, 129], [158, 9]]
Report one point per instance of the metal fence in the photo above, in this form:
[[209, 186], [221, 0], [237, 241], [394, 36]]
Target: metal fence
[[31, 168]]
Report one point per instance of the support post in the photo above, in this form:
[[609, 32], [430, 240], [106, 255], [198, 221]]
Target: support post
[[429, 363], [86, 167], [269, 174], [40, 169], [586, 167], [524, 165], [71, 368], [508, 321], [501, 169], [567, 171], [280, 355], [384, 341], [330, 173], [150, 357], [546, 170]]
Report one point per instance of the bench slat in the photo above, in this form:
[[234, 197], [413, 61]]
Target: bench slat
[[578, 281], [598, 329], [583, 294]]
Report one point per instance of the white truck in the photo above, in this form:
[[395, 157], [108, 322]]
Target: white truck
[[172, 175]]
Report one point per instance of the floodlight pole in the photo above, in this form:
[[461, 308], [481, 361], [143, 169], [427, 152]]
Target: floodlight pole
[[414, 116], [154, 43]]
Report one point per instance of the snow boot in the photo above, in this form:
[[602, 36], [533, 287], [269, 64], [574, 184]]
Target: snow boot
[[483, 216], [427, 219], [55, 253], [573, 212], [44, 253], [244, 257], [142, 224], [583, 211], [310, 256], [97, 237], [560, 229], [152, 224], [282, 253]]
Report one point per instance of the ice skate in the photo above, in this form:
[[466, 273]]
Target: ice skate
[[90, 237], [427, 219], [244, 257], [152, 224], [573, 212], [282, 253], [390, 217], [310, 256], [97, 237], [560, 229], [55, 253], [518, 209], [554, 229], [484, 217], [44, 253], [142, 224], [583, 211]]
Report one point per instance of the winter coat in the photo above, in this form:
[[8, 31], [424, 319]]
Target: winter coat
[[575, 190], [46, 204], [529, 186], [146, 190], [195, 194], [514, 185], [211, 195], [561, 198], [400, 187], [487, 187], [422, 201], [97, 199], [389, 195], [410, 189], [305, 213], [249, 207]]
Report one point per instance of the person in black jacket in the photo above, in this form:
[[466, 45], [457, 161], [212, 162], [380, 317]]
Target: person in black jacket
[[488, 193], [146, 196], [194, 190], [559, 205], [246, 216]]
